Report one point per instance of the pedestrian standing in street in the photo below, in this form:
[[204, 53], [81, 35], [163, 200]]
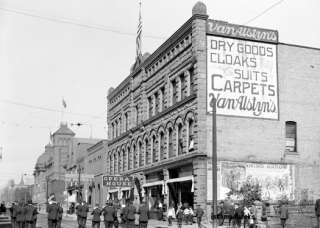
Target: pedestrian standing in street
[[60, 213], [131, 215], [284, 214], [84, 214], [238, 215], [171, 214], [186, 215], [246, 216], [199, 214], [96, 219], [30, 213], [124, 216], [116, 206], [109, 215], [143, 215], [53, 210], [317, 211], [78, 213], [20, 215], [179, 216], [13, 214]]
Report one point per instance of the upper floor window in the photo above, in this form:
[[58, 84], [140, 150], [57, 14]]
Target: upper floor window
[[156, 97], [191, 134], [291, 136], [150, 106], [126, 121], [174, 92], [137, 115]]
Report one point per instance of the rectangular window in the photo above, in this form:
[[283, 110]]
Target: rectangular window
[[291, 136], [174, 92], [156, 97], [137, 114]]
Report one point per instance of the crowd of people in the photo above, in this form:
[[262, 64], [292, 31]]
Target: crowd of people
[[23, 215], [114, 214]]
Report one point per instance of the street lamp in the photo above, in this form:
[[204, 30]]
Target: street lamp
[[79, 186]]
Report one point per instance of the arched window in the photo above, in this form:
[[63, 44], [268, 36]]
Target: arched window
[[124, 158], [147, 153], [115, 163], [111, 163], [170, 143], [291, 136], [129, 158], [119, 162], [161, 146], [154, 149], [179, 139], [190, 135], [116, 127], [140, 154], [134, 155]]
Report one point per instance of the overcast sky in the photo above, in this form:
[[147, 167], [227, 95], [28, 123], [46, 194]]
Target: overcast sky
[[43, 58]]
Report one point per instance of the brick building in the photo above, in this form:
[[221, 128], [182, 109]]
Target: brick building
[[160, 129]]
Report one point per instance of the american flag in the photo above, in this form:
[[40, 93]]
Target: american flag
[[139, 32]]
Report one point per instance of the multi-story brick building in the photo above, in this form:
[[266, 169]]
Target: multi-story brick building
[[160, 130]]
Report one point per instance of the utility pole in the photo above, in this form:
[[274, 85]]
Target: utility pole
[[79, 179], [214, 161]]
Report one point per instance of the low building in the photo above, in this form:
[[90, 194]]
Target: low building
[[96, 166], [267, 125]]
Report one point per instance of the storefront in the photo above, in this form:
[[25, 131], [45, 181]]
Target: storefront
[[180, 186]]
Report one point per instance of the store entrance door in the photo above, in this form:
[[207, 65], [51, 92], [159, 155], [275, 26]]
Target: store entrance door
[[180, 192]]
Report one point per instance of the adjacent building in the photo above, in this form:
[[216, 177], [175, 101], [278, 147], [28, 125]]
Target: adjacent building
[[62, 168], [268, 123], [96, 166]]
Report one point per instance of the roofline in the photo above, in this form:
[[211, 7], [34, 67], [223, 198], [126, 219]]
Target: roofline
[[104, 141], [165, 45], [300, 46]]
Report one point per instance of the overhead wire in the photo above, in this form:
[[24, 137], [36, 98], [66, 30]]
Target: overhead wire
[[48, 109], [263, 12], [76, 23]]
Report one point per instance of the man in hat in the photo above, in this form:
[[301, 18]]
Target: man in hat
[[96, 213], [109, 214], [53, 211], [20, 215], [60, 213], [131, 215], [83, 214], [13, 214], [317, 212], [30, 214]]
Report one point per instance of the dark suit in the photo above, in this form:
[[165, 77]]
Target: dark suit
[[124, 214], [13, 214], [82, 215], [60, 213], [143, 216], [31, 215], [96, 217], [109, 213], [131, 216], [53, 211], [21, 216]]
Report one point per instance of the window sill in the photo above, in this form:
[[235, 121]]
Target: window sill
[[292, 153]]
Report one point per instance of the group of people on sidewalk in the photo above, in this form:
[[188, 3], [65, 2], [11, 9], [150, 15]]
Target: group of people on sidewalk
[[23, 215], [114, 214], [186, 214]]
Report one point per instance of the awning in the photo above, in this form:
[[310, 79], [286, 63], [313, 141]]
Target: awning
[[126, 189], [155, 183], [113, 190], [180, 179]]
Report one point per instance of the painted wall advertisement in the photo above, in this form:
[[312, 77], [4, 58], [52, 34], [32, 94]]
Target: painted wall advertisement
[[276, 180], [242, 76]]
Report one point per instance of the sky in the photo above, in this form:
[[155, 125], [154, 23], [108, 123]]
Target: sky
[[77, 49]]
